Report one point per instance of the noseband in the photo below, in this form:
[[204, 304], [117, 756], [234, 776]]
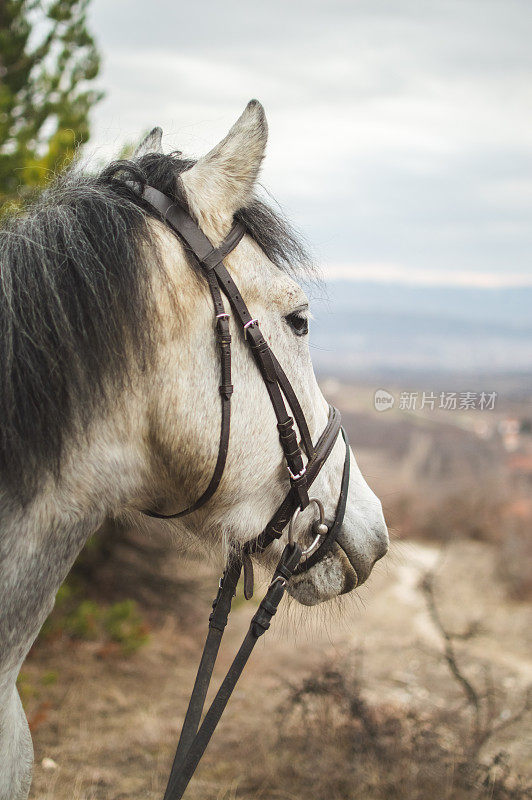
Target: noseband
[[294, 560]]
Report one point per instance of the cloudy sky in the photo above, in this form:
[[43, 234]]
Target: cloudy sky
[[400, 130]]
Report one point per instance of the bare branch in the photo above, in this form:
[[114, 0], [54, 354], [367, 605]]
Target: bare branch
[[485, 725], [469, 690]]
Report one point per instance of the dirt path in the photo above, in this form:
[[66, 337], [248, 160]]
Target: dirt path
[[107, 726]]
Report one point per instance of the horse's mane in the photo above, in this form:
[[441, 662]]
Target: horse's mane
[[75, 304]]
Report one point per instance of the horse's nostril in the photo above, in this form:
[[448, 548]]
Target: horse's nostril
[[381, 553], [350, 581]]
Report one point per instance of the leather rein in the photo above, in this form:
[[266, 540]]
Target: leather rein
[[295, 559]]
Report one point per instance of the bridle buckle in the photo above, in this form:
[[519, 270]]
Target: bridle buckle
[[249, 325], [298, 475]]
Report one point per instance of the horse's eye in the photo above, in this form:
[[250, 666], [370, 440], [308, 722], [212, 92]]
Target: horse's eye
[[298, 322]]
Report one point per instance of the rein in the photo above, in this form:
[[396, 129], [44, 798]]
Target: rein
[[294, 560]]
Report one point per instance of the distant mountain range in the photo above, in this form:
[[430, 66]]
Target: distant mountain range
[[366, 326]]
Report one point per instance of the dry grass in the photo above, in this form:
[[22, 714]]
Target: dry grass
[[333, 744], [110, 721]]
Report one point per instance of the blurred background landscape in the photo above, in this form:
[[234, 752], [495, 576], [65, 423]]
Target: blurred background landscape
[[400, 147]]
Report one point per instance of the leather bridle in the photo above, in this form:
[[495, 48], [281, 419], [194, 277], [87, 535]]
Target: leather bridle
[[294, 559]]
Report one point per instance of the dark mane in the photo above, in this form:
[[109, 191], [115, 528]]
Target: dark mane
[[76, 304]]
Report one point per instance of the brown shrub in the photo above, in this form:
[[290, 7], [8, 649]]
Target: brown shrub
[[333, 744]]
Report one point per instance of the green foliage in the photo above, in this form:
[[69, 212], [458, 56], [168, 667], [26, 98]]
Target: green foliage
[[50, 677], [48, 61], [124, 625], [77, 617], [26, 689], [83, 622]]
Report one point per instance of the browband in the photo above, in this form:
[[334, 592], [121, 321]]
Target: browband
[[181, 221]]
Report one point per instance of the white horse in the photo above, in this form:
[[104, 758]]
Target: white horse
[[109, 401]]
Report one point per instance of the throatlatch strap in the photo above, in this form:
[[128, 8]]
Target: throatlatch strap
[[226, 390]]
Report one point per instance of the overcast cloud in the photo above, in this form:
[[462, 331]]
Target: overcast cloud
[[400, 131]]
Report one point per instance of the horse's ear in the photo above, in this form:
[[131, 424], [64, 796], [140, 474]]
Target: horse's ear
[[152, 143], [221, 183]]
